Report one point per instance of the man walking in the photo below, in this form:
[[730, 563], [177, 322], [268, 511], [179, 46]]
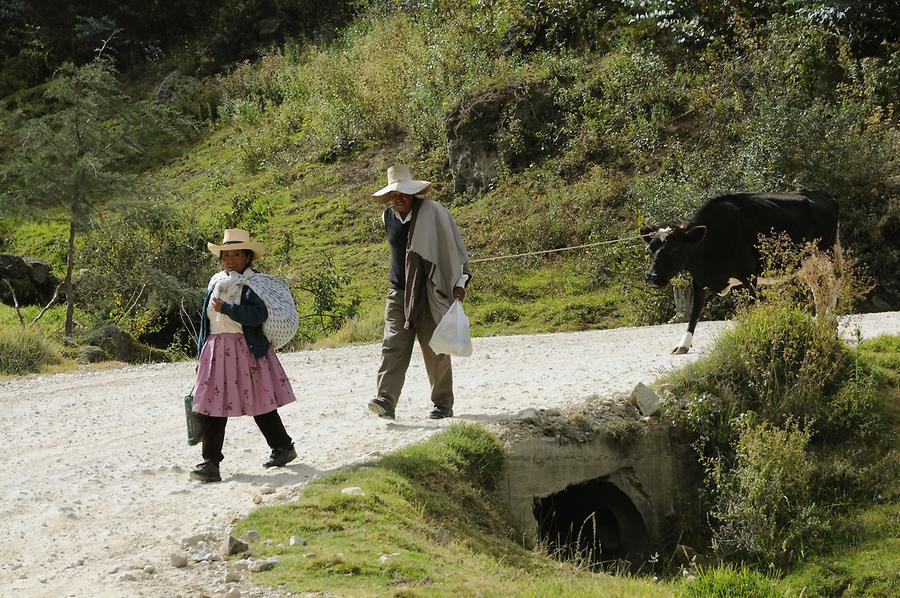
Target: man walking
[[429, 268]]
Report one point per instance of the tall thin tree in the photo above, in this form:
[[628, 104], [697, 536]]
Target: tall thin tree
[[74, 159]]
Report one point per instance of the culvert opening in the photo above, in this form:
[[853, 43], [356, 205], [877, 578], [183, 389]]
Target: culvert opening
[[593, 522]]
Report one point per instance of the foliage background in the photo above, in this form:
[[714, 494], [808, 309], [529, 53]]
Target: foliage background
[[657, 106]]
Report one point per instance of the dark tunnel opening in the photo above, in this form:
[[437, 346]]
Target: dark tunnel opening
[[593, 522]]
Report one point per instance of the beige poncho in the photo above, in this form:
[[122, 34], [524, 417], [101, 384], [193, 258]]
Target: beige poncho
[[434, 238]]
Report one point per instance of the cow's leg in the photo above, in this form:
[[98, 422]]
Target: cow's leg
[[698, 302]]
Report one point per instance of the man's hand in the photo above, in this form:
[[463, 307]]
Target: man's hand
[[459, 293], [217, 304]]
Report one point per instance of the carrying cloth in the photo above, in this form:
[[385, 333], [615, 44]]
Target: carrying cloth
[[283, 321], [435, 238]]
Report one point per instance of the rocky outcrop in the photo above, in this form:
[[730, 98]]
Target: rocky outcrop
[[31, 279], [495, 128], [120, 346]]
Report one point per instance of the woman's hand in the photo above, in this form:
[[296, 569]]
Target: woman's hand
[[217, 304], [459, 293]]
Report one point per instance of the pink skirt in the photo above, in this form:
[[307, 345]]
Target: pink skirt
[[231, 382]]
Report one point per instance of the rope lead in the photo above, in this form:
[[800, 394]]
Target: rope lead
[[507, 257]]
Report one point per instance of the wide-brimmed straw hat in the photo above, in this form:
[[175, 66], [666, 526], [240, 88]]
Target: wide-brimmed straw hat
[[236, 238], [400, 179]]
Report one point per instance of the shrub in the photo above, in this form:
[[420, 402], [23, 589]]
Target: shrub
[[777, 361], [763, 505], [24, 352], [141, 266], [329, 310]]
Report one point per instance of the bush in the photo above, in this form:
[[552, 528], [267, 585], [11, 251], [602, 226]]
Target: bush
[[777, 361], [763, 502], [141, 267], [24, 352]]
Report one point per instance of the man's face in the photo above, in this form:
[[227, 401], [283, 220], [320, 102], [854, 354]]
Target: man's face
[[401, 202]]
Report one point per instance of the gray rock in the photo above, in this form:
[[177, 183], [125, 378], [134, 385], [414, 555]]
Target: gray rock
[[251, 535], [178, 560], [496, 127], [235, 546], [31, 280], [242, 564], [91, 354], [196, 540], [354, 491], [297, 541], [232, 576], [644, 399], [264, 565], [526, 414], [267, 489], [119, 345]]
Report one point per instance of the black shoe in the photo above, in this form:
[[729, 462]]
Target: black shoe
[[207, 471], [382, 408], [440, 412], [281, 457]]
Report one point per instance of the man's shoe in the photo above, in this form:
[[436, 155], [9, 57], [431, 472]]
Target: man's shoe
[[381, 407], [281, 457], [440, 412], [208, 471]]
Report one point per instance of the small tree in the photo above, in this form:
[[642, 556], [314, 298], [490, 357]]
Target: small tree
[[75, 157]]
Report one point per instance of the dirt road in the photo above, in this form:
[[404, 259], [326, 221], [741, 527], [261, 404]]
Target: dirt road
[[94, 492]]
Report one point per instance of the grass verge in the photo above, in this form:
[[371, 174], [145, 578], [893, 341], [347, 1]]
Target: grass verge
[[427, 524]]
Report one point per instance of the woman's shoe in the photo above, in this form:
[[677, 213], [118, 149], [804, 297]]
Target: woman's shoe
[[208, 471], [281, 457]]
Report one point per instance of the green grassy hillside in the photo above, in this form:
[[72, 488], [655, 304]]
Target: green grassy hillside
[[599, 116]]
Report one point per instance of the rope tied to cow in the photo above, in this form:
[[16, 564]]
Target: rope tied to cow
[[545, 251]]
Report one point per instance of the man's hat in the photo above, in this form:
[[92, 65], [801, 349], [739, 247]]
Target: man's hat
[[400, 179]]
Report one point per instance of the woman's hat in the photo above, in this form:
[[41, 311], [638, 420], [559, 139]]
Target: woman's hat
[[400, 179], [236, 238]]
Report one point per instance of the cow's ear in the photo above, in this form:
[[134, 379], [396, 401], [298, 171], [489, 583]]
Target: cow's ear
[[645, 233], [695, 234]]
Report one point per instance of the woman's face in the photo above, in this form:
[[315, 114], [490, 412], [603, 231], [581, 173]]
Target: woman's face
[[234, 260]]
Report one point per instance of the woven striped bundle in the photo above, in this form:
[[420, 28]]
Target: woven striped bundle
[[283, 321]]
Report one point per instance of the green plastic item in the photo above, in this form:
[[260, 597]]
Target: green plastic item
[[195, 421]]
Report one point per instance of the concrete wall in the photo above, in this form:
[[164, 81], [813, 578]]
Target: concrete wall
[[652, 470]]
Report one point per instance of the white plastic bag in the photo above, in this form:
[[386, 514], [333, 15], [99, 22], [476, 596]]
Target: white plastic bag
[[452, 335]]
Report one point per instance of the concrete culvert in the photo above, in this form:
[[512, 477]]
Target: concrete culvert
[[593, 522]]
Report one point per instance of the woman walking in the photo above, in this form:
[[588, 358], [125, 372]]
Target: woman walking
[[238, 372]]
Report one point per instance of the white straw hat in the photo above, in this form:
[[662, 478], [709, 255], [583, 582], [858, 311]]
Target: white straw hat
[[236, 238], [400, 179]]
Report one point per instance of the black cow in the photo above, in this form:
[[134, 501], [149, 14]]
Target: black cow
[[718, 246]]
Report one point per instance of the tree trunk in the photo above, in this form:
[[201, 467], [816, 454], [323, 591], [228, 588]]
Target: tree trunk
[[70, 296], [683, 296]]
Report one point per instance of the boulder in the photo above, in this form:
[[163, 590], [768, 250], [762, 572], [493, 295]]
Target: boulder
[[496, 127], [91, 354], [235, 546], [31, 279], [119, 345], [644, 399]]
